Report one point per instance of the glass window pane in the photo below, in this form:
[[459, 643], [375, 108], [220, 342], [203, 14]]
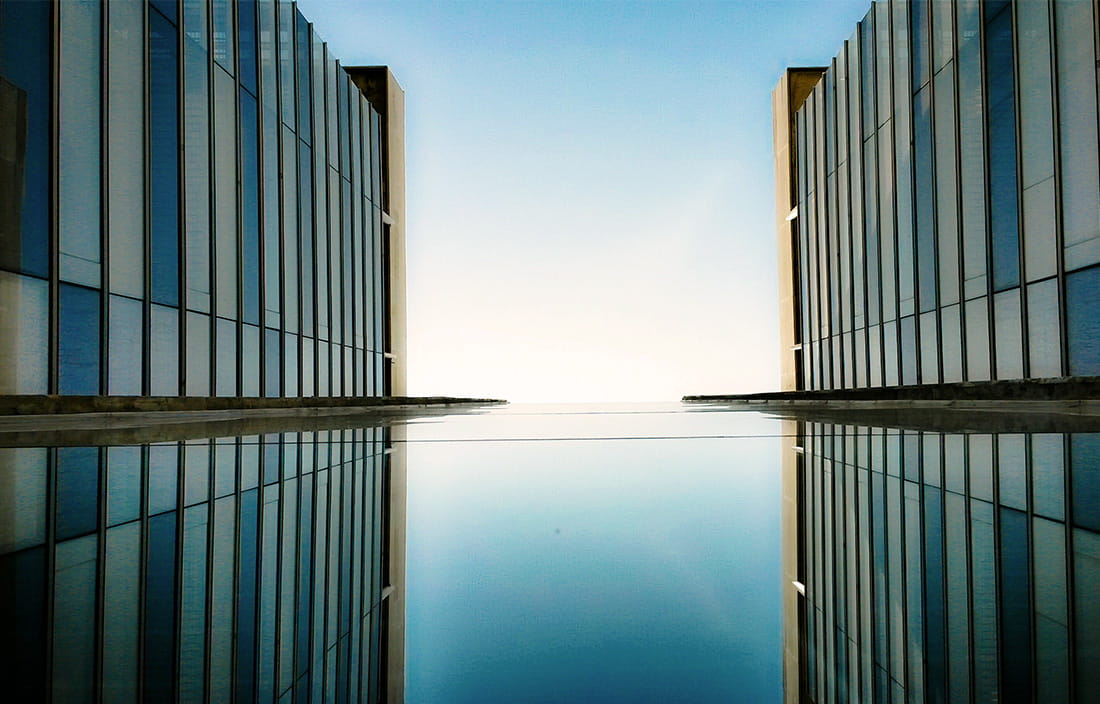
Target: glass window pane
[[225, 182], [224, 35], [290, 369], [1012, 471], [947, 219], [250, 213], [196, 154], [121, 596], [160, 608], [223, 550], [1076, 76], [198, 354], [1083, 322], [226, 376], [1051, 618], [246, 32], [1048, 474], [1040, 241], [977, 340], [929, 349], [286, 61], [272, 363], [123, 484], [971, 148], [78, 346], [74, 620], [23, 501], [77, 507], [1006, 321], [305, 204], [164, 351], [126, 151], [196, 472], [290, 231], [305, 90], [78, 142], [1044, 332], [308, 370], [24, 334], [163, 161], [250, 360], [163, 473], [193, 604], [124, 347], [1000, 74], [25, 29], [951, 325]]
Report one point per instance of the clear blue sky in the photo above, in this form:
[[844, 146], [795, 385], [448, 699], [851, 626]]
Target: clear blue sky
[[590, 198]]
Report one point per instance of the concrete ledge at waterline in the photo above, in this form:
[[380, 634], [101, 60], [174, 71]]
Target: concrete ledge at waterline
[[1079, 388], [62, 405]]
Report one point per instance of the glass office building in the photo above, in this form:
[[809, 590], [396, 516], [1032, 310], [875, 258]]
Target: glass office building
[[939, 198], [196, 199], [941, 565], [255, 567]]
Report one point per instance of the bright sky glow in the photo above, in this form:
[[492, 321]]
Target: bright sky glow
[[590, 193]]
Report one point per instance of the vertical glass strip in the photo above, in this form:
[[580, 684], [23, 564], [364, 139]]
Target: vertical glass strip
[[121, 596], [1003, 184], [124, 346], [74, 620], [79, 142], [24, 334], [225, 189], [163, 161], [126, 147], [79, 341], [291, 294], [972, 149], [250, 209], [196, 154], [246, 34]]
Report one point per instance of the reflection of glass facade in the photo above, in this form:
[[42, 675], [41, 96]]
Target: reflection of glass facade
[[191, 203], [947, 566], [945, 220], [221, 569]]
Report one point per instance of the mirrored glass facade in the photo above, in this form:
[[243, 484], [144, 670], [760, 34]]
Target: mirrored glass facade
[[936, 566], [939, 198], [249, 568], [195, 201]]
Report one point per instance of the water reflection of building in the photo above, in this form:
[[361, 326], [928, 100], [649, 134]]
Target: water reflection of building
[[196, 199], [257, 568], [937, 209], [942, 566]]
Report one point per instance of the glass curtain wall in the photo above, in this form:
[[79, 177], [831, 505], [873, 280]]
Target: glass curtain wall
[[948, 566], [195, 245], [250, 567], [948, 217]]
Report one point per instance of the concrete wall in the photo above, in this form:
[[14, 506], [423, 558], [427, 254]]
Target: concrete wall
[[788, 96]]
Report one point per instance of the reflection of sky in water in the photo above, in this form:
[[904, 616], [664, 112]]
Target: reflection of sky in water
[[618, 570]]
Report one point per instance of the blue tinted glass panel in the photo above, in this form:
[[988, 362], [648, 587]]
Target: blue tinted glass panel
[[196, 155], [224, 46], [24, 334], [246, 29], [1002, 147], [925, 203], [1083, 322], [286, 60], [290, 360], [163, 161], [124, 347], [1085, 475], [25, 66], [250, 204], [77, 491], [163, 473], [164, 351], [918, 12], [78, 344], [225, 187], [160, 577], [167, 8]]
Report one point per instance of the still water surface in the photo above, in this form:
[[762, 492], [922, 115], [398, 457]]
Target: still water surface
[[643, 553]]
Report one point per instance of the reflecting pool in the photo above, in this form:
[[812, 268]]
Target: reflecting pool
[[636, 553]]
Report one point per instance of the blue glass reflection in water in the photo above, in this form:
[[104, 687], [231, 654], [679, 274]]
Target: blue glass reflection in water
[[160, 608], [77, 491]]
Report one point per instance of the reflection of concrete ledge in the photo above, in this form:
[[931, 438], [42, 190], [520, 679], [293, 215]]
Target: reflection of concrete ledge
[[95, 420]]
